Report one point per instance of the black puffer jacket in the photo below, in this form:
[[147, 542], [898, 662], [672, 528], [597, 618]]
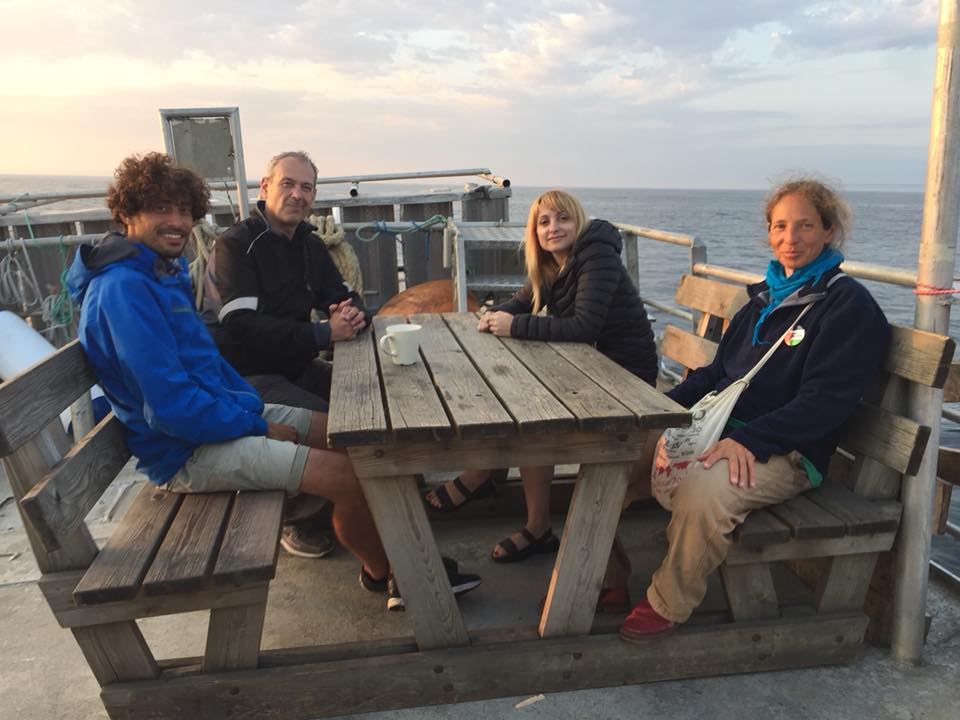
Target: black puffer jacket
[[594, 301]]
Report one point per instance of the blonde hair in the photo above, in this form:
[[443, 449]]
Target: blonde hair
[[833, 210], [542, 269]]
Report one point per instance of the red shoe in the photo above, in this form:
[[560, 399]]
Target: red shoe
[[644, 623]]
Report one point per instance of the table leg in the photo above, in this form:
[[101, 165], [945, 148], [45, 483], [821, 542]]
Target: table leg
[[584, 549], [398, 511]]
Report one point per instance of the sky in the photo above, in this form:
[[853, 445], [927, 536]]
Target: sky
[[576, 93]]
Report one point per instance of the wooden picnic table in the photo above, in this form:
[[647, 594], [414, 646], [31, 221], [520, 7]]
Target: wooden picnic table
[[478, 401]]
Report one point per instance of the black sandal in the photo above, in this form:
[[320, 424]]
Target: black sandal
[[546, 543], [447, 504]]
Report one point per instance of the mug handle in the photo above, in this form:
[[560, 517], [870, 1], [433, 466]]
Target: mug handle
[[384, 341]]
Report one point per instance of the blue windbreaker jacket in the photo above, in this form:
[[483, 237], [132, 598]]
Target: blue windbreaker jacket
[[158, 366]]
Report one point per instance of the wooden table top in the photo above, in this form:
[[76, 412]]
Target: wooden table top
[[471, 385]]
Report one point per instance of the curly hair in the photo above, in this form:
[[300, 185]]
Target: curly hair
[[542, 269], [144, 181], [834, 211]]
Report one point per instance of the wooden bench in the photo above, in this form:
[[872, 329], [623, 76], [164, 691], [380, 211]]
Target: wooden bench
[[169, 554], [831, 536]]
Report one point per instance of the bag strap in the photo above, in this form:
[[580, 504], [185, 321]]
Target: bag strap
[[756, 368]]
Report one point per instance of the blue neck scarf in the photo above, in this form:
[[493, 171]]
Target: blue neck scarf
[[781, 287]]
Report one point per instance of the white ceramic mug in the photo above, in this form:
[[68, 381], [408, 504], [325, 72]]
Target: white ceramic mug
[[402, 343]]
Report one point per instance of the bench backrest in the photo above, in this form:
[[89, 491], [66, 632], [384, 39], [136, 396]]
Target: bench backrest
[[883, 443], [56, 485]]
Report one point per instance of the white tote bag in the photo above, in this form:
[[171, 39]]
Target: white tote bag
[[679, 447]]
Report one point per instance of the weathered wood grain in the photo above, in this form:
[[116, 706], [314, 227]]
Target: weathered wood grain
[[188, 552], [61, 500], [413, 407], [119, 569], [862, 516], [495, 670], [807, 520], [356, 403], [760, 529], [510, 451], [594, 408], [710, 296], [402, 523], [893, 440], [472, 406], [233, 637], [919, 356], [688, 349], [951, 388], [801, 549], [652, 409], [584, 548], [116, 652], [250, 545], [750, 591], [30, 400], [533, 407]]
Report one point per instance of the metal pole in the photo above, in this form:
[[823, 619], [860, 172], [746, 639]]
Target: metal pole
[[239, 167], [938, 237]]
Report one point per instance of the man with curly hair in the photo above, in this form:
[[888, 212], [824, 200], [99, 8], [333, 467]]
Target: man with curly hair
[[267, 276], [192, 421]]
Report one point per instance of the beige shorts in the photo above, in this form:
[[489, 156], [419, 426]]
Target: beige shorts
[[253, 462]]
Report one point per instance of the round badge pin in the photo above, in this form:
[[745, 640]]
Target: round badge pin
[[795, 337]]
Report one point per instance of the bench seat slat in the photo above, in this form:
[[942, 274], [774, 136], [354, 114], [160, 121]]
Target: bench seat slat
[[862, 516], [119, 568], [710, 296], [687, 348], [761, 528], [188, 552], [60, 501], [245, 555], [807, 520]]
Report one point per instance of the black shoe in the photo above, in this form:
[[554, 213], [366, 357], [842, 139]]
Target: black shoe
[[368, 582], [306, 542], [460, 583]]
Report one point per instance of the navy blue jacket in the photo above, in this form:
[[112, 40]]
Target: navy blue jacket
[[805, 392]]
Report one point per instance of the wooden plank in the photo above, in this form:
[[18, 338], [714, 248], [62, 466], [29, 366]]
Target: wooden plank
[[893, 440], [233, 638], [941, 507], [948, 465], [594, 408], [57, 588], [30, 400], [750, 591], [919, 356], [760, 529], [116, 652], [189, 551], [807, 520], [413, 408], [250, 544], [406, 535], [119, 569], [652, 409], [32, 461], [496, 670], [533, 407], [356, 403], [686, 348], [845, 585], [710, 296], [801, 549], [951, 388], [511, 451], [60, 501], [862, 516], [868, 477], [472, 406], [584, 549]]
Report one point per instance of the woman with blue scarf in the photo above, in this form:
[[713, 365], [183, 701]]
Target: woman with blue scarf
[[785, 425]]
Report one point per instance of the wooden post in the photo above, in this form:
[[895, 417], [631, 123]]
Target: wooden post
[[378, 259], [938, 236]]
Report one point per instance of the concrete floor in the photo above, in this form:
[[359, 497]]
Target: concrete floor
[[318, 601]]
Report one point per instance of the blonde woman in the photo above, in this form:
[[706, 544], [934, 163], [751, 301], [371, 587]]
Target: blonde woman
[[577, 290]]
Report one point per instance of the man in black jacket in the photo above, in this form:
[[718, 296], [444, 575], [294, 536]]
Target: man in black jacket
[[269, 273]]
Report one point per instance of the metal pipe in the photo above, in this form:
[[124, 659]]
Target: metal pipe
[[865, 271], [496, 179], [724, 273], [951, 415], [938, 237], [662, 307], [659, 235]]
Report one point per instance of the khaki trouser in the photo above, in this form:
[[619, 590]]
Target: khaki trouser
[[705, 510]]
